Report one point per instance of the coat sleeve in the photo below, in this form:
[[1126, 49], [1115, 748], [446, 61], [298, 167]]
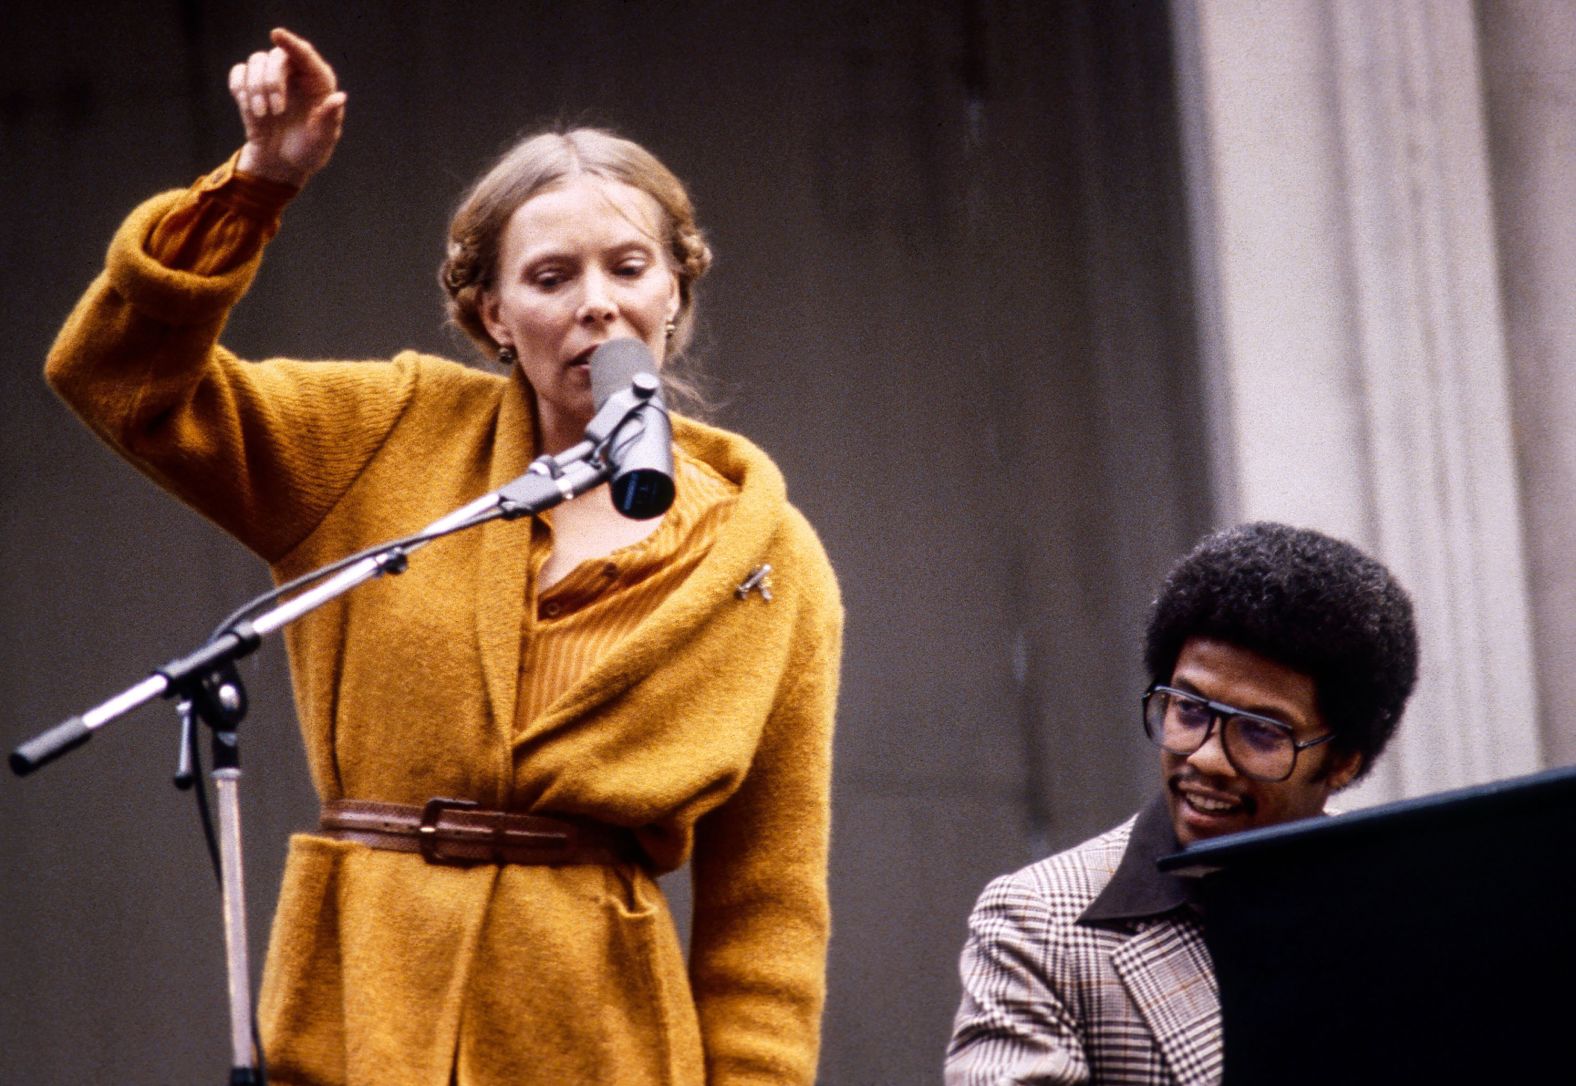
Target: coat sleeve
[[1014, 1025], [758, 948], [262, 449]]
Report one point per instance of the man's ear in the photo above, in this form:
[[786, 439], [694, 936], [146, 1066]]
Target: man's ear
[[1344, 770]]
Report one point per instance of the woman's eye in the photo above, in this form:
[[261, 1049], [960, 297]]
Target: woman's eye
[[547, 280], [630, 269]]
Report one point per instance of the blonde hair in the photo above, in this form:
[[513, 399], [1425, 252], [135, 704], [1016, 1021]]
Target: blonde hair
[[536, 163]]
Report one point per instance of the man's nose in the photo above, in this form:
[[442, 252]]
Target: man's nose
[[1210, 759]]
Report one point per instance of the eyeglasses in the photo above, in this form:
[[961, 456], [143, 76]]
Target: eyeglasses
[[1258, 747]]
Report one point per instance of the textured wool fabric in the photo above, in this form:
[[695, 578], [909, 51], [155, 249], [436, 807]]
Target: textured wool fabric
[[707, 731], [1049, 1000]]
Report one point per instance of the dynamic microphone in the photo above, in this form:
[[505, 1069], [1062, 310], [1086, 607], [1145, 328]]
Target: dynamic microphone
[[640, 450]]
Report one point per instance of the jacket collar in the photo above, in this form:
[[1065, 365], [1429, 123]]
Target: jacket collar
[[1168, 974], [1164, 965], [500, 595], [741, 546], [1139, 890]]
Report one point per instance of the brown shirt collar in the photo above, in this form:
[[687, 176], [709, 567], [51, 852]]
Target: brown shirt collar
[[1138, 890]]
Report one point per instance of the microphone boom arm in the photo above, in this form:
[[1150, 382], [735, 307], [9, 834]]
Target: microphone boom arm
[[550, 481]]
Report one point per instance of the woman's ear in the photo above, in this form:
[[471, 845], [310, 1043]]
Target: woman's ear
[[487, 309], [675, 296]]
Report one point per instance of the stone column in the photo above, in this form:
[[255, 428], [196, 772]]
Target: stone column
[[1353, 346], [1529, 72]]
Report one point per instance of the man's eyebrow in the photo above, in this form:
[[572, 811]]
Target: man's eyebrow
[[1188, 688], [1270, 712]]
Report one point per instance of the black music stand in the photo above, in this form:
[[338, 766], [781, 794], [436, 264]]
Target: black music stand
[[1431, 940]]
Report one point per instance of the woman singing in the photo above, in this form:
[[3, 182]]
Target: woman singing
[[592, 701]]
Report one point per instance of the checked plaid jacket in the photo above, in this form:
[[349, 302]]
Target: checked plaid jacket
[[1051, 997]]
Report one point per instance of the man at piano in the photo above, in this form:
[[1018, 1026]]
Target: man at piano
[[1279, 661]]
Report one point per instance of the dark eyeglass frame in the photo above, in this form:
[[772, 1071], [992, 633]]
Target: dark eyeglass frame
[[1219, 713]]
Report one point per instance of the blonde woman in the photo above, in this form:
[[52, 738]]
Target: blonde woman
[[592, 701]]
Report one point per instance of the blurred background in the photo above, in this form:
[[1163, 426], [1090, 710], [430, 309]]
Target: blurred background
[[1023, 298]]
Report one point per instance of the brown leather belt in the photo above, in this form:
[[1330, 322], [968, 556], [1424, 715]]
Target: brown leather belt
[[457, 832]]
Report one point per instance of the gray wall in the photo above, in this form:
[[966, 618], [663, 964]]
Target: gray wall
[[951, 300], [1529, 93]]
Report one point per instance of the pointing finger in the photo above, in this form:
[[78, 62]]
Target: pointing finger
[[306, 61]]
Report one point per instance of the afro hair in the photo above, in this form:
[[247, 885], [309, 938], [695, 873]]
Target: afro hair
[[1315, 604]]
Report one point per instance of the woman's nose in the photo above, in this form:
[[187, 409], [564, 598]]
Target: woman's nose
[[596, 307]]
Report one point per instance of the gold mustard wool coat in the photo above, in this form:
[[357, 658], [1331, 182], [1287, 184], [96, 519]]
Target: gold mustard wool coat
[[707, 731]]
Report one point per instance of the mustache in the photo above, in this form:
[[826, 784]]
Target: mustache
[[1187, 775]]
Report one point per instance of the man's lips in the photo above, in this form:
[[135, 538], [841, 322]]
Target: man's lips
[[1211, 802], [1210, 805]]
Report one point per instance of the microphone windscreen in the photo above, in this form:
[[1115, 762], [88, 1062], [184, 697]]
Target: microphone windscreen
[[643, 472], [614, 365]]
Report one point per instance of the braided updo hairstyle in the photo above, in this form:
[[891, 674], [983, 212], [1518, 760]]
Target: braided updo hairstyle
[[537, 163]]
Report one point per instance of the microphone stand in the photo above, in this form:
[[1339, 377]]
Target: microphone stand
[[207, 683]]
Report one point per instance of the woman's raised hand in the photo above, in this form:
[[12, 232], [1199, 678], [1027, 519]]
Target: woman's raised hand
[[292, 108]]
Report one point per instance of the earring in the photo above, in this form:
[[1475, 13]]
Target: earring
[[671, 328], [506, 356]]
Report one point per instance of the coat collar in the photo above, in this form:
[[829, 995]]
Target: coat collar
[[1167, 972], [505, 557], [742, 544], [502, 593], [1139, 889]]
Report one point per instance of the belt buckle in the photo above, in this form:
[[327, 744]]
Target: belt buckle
[[427, 833]]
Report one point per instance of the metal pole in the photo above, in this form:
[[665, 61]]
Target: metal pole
[[226, 783]]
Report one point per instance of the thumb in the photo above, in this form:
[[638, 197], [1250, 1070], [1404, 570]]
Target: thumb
[[330, 110], [328, 116]]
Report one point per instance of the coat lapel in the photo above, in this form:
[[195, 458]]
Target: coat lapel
[[739, 547], [504, 555], [1168, 974]]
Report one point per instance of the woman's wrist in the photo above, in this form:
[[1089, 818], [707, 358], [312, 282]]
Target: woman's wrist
[[254, 163]]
